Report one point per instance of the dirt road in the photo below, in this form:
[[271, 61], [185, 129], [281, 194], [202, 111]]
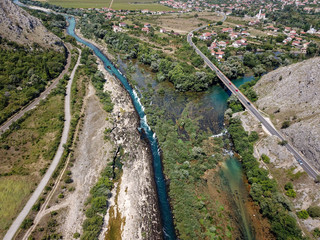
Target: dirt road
[[22, 215]]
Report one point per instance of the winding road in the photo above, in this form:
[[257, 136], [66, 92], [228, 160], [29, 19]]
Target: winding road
[[36, 194], [4, 127], [251, 108]]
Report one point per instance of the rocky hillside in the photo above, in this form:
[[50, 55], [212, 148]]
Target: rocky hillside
[[19, 26], [291, 95]]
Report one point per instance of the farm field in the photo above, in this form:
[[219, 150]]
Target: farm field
[[118, 5], [183, 23], [80, 3]]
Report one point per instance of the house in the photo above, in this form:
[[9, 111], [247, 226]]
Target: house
[[222, 44], [236, 44], [122, 24], [245, 33], [162, 30], [296, 43], [147, 25], [226, 30], [213, 45], [145, 29], [287, 29], [304, 50], [233, 36], [117, 29], [145, 11], [205, 36], [219, 54]]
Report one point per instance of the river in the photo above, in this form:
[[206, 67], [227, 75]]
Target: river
[[211, 105]]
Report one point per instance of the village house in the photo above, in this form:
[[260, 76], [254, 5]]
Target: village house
[[205, 36], [117, 29], [227, 30], [145, 29], [122, 24], [147, 25], [222, 44], [162, 30]]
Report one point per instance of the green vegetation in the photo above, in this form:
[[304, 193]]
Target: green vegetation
[[139, 6], [80, 3], [265, 159], [303, 214], [316, 232], [314, 211], [285, 124], [97, 79], [264, 191], [24, 74], [97, 204], [184, 76], [32, 141], [291, 193]]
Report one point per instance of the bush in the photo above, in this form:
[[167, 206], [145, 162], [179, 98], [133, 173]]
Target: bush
[[316, 232], [265, 158], [291, 193], [303, 214], [27, 223], [285, 124], [314, 211], [36, 207], [288, 186], [76, 235]]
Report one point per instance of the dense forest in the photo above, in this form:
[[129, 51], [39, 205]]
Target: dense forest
[[24, 74]]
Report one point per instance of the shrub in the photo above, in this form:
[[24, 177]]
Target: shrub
[[27, 223], [265, 158], [76, 235], [285, 124], [68, 180], [291, 193], [288, 186], [36, 207], [316, 232], [303, 214], [314, 211]]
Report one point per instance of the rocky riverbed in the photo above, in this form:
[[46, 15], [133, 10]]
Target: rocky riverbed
[[136, 195]]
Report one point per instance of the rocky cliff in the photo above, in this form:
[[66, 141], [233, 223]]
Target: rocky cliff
[[19, 26], [291, 96]]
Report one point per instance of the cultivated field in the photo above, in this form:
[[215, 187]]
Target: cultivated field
[[116, 4], [125, 5], [80, 3], [183, 23]]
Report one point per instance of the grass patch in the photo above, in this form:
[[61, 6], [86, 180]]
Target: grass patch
[[151, 7], [14, 192], [26, 152], [80, 3]]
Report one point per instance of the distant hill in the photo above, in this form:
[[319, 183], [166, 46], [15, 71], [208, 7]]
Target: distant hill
[[19, 26], [291, 95]]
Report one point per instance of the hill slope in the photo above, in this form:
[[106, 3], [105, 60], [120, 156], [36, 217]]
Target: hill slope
[[19, 26], [292, 96]]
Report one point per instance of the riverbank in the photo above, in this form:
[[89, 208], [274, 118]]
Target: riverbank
[[136, 197]]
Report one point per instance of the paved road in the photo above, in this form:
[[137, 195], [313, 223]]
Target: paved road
[[251, 108], [36, 194], [36, 101]]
